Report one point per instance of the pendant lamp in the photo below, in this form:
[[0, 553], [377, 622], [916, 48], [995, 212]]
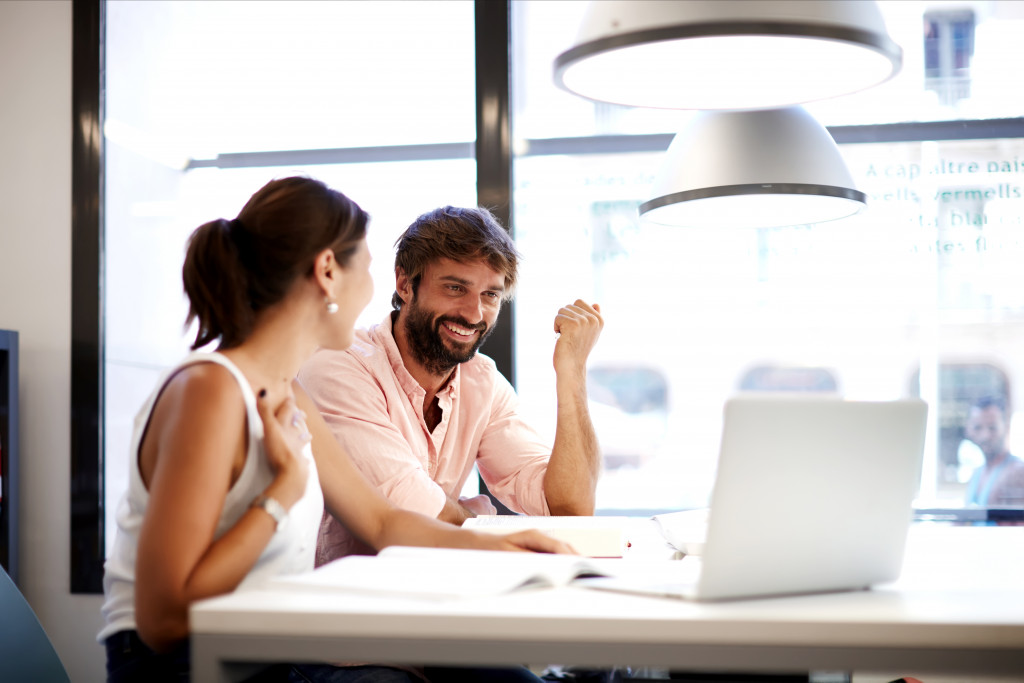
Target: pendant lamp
[[727, 54], [758, 168]]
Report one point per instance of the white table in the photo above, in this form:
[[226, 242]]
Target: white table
[[958, 608]]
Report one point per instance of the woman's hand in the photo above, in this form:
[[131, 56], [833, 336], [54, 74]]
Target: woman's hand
[[528, 540], [284, 436]]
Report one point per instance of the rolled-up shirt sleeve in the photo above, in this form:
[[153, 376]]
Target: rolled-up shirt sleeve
[[513, 458]]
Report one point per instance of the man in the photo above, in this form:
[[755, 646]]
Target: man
[[416, 406], [1000, 481]]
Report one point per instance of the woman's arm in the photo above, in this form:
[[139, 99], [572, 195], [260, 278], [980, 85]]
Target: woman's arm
[[192, 452], [371, 517]]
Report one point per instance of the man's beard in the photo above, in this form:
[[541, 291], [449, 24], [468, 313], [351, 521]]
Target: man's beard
[[429, 348]]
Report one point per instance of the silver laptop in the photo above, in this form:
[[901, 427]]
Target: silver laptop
[[812, 494]]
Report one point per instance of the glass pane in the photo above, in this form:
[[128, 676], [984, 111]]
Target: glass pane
[[146, 306], [212, 78], [976, 42], [920, 295]]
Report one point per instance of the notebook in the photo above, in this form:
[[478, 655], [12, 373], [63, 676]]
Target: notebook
[[812, 494]]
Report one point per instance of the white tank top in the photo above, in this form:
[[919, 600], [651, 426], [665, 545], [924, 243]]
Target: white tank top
[[290, 550]]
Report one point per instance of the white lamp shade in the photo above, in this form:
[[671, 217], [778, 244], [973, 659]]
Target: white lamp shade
[[760, 168], [727, 54]]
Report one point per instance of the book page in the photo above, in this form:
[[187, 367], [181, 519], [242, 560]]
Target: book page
[[441, 573], [598, 536]]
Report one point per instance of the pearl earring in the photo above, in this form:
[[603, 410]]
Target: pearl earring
[[332, 307]]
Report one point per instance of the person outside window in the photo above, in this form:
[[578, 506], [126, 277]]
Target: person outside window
[[1000, 480]]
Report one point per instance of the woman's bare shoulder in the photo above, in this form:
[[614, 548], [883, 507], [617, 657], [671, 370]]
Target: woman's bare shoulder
[[204, 386]]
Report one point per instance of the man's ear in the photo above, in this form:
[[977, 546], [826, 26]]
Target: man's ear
[[326, 271], [403, 285]]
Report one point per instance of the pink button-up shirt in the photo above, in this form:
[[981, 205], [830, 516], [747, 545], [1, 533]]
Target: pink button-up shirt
[[375, 409]]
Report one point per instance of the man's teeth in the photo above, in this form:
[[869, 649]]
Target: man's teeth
[[459, 330]]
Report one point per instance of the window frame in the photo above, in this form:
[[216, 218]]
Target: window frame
[[87, 549], [492, 151]]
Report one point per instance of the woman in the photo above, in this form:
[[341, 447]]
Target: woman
[[231, 464]]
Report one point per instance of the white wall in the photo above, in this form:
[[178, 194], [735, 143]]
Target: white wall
[[35, 299]]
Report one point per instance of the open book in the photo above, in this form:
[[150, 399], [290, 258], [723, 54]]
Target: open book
[[589, 536], [444, 573]]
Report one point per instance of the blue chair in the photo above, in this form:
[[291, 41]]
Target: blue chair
[[26, 653]]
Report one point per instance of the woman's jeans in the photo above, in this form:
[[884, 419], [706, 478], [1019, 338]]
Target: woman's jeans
[[129, 660]]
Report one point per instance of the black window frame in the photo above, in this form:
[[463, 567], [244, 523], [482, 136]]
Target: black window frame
[[87, 537]]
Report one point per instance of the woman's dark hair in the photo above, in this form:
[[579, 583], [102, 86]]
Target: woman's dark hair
[[235, 269]]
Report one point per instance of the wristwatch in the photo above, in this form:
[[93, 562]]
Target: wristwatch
[[272, 508]]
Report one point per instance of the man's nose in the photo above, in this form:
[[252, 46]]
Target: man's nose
[[472, 310]]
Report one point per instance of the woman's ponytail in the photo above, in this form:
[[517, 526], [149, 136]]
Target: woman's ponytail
[[234, 270], [216, 284]]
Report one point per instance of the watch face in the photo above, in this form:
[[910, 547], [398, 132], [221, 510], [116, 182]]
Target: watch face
[[272, 508]]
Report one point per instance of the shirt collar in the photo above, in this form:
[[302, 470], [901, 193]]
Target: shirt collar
[[405, 379]]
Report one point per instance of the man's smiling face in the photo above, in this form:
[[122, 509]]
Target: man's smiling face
[[451, 312]]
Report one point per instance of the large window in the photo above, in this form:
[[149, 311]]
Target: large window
[[919, 295]]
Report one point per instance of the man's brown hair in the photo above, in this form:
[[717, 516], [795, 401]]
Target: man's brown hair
[[459, 234]]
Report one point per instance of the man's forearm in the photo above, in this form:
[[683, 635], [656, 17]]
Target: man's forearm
[[570, 482], [571, 479]]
